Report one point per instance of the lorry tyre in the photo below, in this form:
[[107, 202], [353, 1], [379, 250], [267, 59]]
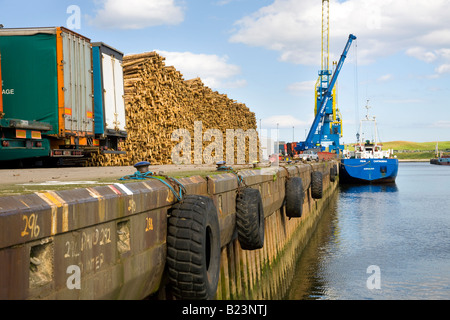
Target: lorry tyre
[[294, 197], [193, 248], [316, 185], [250, 219], [332, 174]]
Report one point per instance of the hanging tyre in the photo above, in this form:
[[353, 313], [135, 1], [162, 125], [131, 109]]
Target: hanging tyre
[[332, 174], [193, 248], [316, 185], [294, 197], [250, 219]]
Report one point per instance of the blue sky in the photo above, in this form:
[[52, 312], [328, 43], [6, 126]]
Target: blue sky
[[266, 54]]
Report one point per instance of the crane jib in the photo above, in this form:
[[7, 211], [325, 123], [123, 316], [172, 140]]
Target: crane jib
[[309, 143]]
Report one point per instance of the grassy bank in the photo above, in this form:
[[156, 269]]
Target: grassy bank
[[414, 155], [408, 150], [416, 146]]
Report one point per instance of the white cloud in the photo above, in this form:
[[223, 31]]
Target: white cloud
[[443, 69], [421, 54], [303, 86], [385, 78], [137, 14], [439, 56], [442, 124], [215, 71], [284, 121], [239, 83], [444, 53], [223, 2], [383, 27]]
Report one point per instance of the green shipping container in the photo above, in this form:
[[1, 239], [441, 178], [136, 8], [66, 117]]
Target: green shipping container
[[47, 77]]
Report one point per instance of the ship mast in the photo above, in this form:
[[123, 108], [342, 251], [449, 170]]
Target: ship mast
[[369, 119]]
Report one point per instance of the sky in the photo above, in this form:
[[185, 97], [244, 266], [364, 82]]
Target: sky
[[266, 54]]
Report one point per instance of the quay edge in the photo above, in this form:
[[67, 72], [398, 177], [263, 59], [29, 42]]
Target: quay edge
[[115, 235]]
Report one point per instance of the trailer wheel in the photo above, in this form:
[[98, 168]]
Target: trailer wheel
[[193, 248], [294, 197], [316, 185], [250, 219]]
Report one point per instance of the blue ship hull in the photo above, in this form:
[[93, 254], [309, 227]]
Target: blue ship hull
[[368, 170]]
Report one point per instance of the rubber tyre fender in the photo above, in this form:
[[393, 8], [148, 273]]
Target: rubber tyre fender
[[294, 197], [193, 248], [316, 185], [332, 174], [250, 219]]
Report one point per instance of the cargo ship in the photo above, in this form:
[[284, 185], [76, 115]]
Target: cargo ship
[[368, 163]]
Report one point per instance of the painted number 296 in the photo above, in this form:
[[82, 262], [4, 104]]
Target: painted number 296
[[149, 224], [31, 226]]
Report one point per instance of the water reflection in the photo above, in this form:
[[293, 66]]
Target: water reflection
[[351, 189], [308, 284], [401, 228]]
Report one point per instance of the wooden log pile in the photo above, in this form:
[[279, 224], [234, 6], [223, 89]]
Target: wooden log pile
[[159, 101]]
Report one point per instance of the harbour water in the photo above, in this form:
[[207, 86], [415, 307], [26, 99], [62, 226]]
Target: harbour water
[[382, 242]]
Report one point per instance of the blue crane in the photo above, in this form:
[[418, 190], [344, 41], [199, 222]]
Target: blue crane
[[316, 135]]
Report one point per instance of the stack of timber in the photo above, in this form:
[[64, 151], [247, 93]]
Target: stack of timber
[[159, 101]]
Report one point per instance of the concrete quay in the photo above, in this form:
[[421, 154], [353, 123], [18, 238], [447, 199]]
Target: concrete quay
[[111, 241]]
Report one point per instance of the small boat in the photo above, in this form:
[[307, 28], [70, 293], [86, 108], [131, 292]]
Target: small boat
[[368, 163], [441, 158]]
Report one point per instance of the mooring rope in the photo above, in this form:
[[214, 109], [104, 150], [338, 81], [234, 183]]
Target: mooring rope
[[228, 169], [152, 175]]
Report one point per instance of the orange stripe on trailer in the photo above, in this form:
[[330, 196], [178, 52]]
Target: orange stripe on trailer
[[68, 111], [1, 94], [60, 78]]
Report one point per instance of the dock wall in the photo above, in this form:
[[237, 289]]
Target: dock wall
[[109, 242], [267, 273]]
